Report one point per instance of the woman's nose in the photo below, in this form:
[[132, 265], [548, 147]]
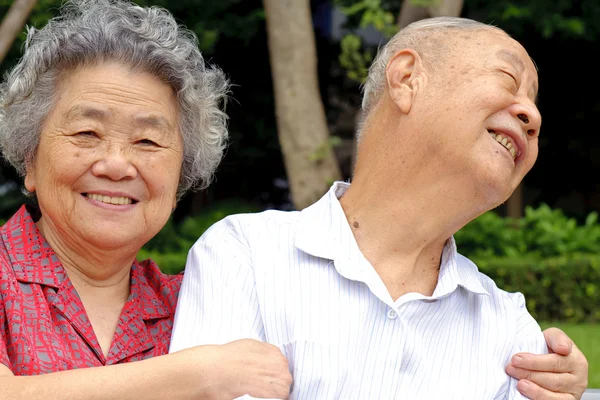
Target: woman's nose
[[115, 165]]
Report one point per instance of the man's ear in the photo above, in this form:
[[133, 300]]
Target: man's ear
[[404, 74]]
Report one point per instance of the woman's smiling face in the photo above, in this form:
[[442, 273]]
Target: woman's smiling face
[[109, 159]]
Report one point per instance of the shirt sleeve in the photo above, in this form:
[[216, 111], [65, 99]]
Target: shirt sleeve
[[528, 339], [218, 301]]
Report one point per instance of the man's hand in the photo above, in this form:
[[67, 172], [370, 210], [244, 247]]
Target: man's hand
[[251, 367], [560, 375]]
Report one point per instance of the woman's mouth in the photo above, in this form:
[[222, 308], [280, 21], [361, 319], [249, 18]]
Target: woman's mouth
[[120, 200]]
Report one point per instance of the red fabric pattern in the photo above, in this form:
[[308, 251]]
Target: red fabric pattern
[[43, 324]]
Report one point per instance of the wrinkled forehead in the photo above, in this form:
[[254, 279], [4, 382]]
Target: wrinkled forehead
[[508, 49], [490, 47]]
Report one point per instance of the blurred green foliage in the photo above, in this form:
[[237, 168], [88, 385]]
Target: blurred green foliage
[[542, 232], [560, 288], [562, 18], [354, 57], [550, 258], [208, 19]]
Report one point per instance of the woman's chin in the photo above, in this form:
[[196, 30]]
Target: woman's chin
[[119, 240]]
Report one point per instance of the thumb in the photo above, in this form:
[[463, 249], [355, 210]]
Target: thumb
[[558, 342]]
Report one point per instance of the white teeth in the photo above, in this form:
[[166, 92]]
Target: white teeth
[[109, 200], [506, 142]]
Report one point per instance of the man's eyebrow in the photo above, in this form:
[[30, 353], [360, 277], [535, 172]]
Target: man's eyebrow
[[510, 57]]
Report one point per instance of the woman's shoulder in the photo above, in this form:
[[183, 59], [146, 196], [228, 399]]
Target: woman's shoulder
[[164, 285], [11, 236]]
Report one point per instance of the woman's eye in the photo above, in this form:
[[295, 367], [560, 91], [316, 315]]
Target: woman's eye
[[87, 133], [148, 142]]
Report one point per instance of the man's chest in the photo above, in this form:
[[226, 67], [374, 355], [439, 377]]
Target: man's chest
[[344, 342]]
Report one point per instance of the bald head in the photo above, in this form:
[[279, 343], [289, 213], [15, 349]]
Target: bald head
[[433, 38]]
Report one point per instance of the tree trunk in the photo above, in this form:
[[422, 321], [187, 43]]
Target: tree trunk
[[410, 13], [449, 8], [13, 22], [301, 124], [514, 204]]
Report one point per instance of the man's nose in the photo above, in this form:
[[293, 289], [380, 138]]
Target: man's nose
[[529, 118]]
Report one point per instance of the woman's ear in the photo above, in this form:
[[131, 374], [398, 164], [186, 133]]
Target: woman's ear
[[30, 178]]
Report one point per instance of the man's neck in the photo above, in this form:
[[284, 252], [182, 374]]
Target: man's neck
[[401, 229]]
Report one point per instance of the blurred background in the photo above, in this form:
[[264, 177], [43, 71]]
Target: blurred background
[[297, 67]]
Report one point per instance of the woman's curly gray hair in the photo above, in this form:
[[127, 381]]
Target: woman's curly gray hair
[[144, 38]]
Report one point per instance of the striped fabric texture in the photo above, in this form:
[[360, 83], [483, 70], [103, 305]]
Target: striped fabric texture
[[299, 281]]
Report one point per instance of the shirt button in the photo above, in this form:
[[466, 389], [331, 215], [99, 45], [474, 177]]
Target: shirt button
[[392, 314]]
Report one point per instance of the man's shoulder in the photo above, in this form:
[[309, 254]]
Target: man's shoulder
[[254, 226], [163, 285], [266, 217], [243, 237], [496, 293]]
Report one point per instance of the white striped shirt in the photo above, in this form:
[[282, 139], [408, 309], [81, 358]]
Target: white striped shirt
[[299, 281]]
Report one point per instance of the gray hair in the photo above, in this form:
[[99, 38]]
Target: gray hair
[[144, 38], [415, 36]]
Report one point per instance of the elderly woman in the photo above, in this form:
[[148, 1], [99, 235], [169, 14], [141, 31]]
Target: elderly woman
[[110, 116]]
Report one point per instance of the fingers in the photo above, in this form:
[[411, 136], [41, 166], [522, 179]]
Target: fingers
[[274, 389], [552, 373], [543, 362], [558, 341], [534, 392], [267, 370], [563, 382]]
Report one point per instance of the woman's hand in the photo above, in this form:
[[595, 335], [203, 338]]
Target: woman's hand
[[203, 372], [246, 366], [560, 375]]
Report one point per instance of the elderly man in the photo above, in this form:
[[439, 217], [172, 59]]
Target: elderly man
[[364, 291]]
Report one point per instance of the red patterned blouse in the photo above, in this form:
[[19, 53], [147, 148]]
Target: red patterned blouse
[[43, 325]]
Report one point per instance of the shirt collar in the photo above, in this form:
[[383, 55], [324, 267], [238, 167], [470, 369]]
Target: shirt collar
[[457, 270], [151, 305], [32, 258], [324, 232], [323, 226]]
